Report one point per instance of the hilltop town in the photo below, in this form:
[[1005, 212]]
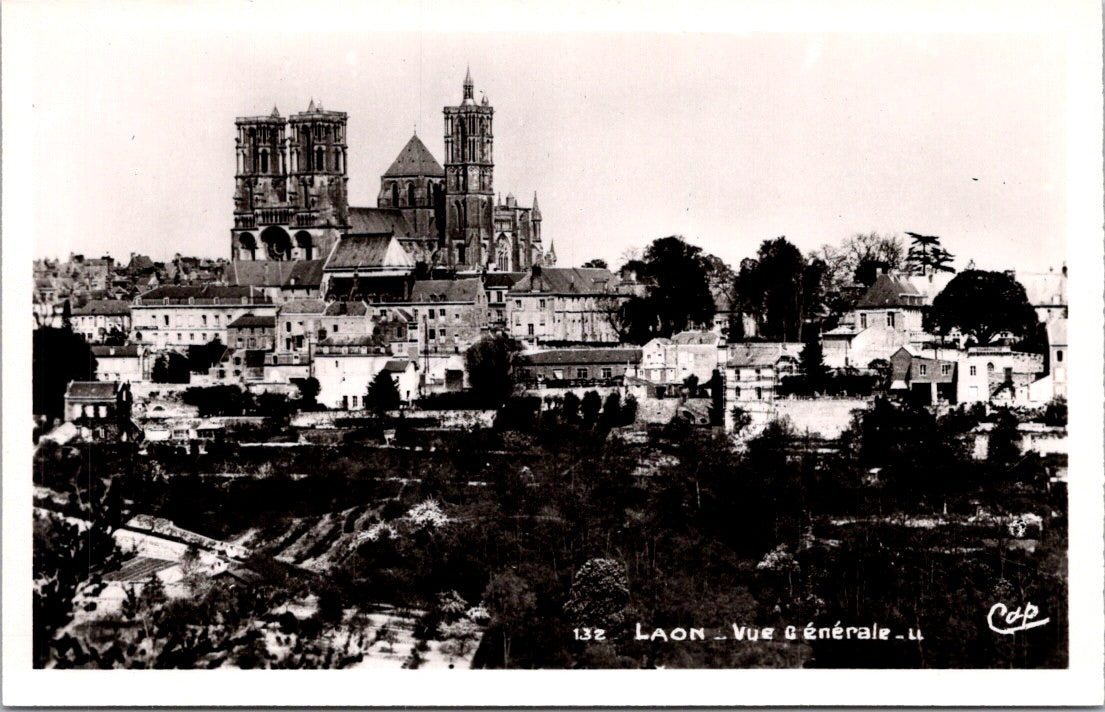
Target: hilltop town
[[377, 435]]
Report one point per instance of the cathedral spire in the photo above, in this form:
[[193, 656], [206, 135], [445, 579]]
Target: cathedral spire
[[550, 256], [468, 86], [536, 212]]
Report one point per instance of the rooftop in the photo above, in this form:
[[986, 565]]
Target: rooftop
[[368, 252], [566, 280], [581, 356], [104, 307], [415, 160], [202, 294], [254, 321], [446, 290], [378, 221], [91, 390]]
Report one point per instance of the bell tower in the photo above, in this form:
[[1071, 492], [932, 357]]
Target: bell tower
[[260, 180], [469, 173], [290, 185]]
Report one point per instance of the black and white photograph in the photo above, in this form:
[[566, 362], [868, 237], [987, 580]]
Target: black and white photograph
[[418, 339]]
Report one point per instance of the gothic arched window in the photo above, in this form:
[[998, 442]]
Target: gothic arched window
[[410, 194], [320, 160], [395, 195], [264, 161]]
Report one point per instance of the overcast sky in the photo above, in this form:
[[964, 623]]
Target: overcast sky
[[726, 138]]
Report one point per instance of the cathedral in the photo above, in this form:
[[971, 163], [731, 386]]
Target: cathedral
[[290, 198]]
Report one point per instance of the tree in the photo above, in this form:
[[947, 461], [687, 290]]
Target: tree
[[226, 399], [812, 361], [511, 603], [170, 367], [1004, 442], [58, 356], [741, 419], [597, 262], [570, 408], [858, 259], [115, 337], [488, 362], [781, 288], [67, 316], [203, 356], [309, 389], [383, 393], [612, 410], [635, 320], [629, 410], [599, 595], [678, 289], [927, 256], [590, 407], [982, 305]]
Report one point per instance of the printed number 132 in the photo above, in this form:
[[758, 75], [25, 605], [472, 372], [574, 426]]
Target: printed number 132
[[589, 633]]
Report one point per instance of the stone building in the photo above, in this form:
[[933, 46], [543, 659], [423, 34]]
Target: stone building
[[291, 197], [178, 317], [564, 305], [100, 318]]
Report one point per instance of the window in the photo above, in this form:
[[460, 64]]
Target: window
[[192, 336], [433, 334], [353, 401], [541, 304], [581, 373], [990, 366], [430, 315], [923, 369], [456, 316], [863, 321], [288, 327], [517, 303], [178, 337], [204, 317], [607, 372], [759, 393], [1059, 356], [945, 369], [974, 370], [529, 329], [890, 319], [737, 392], [335, 329], [241, 342], [252, 343], [441, 312], [166, 317]]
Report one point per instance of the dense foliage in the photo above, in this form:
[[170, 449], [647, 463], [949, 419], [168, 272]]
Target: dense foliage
[[552, 525], [982, 305], [58, 357]]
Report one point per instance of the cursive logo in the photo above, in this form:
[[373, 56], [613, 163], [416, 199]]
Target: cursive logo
[[1015, 620]]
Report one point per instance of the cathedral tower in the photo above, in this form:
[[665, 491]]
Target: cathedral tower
[[469, 170], [260, 180], [413, 184], [290, 192]]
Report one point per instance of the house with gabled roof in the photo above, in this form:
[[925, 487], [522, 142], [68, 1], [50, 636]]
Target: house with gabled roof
[[888, 316], [564, 305], [101, 318]]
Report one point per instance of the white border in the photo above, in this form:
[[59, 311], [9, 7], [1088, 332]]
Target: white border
[[1079, 24]]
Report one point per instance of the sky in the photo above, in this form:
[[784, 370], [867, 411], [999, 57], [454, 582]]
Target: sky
[[728, 137]]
